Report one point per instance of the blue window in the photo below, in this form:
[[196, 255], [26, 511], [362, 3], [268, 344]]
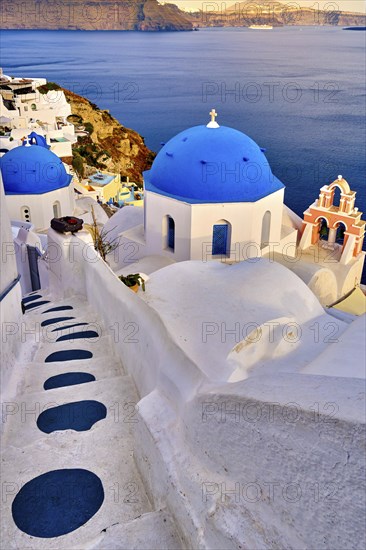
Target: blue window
[[171, 233], [220, 239]]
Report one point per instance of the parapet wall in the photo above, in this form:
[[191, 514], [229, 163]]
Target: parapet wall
[[269, 462], [142, 341]]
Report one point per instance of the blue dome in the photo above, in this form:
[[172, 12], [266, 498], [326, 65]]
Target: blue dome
[[32, 170], [212, 165]]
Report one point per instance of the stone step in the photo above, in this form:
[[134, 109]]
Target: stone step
[[152, 530], [118, 395], [40, 314], [35, 374], [99, 347], [108, 454], [76, 302], [37, 326], [105, 448]]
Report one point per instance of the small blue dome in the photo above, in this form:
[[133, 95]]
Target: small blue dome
[[32, 170], [36, 139], [212, 165]]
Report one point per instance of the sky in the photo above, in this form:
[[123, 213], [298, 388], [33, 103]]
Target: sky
[[344, 5]]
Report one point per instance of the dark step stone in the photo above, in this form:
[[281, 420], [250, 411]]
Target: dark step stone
[[58, 308], [57, 502], [68, 355], [77, 335], [79, 416], [36, 304], [68, 379], [31, 298], [55, 320]]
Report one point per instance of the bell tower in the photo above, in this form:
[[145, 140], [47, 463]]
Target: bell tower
[[323, 219]]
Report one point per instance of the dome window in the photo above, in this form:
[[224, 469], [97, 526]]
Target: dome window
[[266, 229], [25, 213], [168, 233], [56, 210], [171, 233]]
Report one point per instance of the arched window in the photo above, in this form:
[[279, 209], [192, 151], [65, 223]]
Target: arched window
[[171, 233], [33, 107], [341, 228], [266, 227], [25, 213], [56, 210], [323, 228], [221, 235], [337, 196], [168, 233]]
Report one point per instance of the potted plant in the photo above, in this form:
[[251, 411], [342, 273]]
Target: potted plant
[[133, 281]]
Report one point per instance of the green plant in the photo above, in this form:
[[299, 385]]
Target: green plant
[[132, 280], [75, 119], [78, 165], [48, 87], [89, 127]]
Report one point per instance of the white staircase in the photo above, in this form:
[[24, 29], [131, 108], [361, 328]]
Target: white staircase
[[126, 519]]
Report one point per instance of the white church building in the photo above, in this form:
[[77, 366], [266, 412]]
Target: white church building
[[37, 185], [210, 194]]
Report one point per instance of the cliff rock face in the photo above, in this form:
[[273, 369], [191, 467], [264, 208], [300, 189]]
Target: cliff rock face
[[109, 146], [277, 14], [131, 15]]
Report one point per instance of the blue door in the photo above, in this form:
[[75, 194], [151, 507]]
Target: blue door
[[219, 240]]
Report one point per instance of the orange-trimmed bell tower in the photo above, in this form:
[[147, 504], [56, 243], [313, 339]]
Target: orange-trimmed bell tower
[[323, 211]]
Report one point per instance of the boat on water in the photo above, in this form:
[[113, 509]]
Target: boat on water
[[261, 27]]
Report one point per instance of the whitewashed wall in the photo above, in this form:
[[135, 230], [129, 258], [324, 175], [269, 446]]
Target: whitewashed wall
[[194, 226], [41, 206], [270, 462], [11, 314]]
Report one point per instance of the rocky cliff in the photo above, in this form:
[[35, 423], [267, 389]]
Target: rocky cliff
[[104, 143], [132, 15], [277, 14]]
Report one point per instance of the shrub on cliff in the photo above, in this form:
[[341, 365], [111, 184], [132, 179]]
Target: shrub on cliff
[[78, 165], [48, 87], [89, 127]]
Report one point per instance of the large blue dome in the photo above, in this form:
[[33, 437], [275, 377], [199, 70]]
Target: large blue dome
[[32, 170], [212, 165]]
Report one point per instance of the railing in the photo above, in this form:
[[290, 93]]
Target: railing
[[9, 288]]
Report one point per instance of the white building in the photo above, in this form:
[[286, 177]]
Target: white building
[[23, 108], [210, 194]]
